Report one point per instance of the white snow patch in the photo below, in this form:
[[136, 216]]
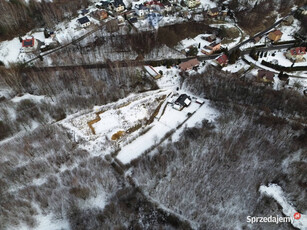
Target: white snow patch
[[28, 97], [9, 51], [276, 193]]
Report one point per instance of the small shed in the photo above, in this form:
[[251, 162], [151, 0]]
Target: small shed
[[152, 72]]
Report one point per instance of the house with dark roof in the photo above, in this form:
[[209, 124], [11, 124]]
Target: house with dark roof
[[265, 76], [141, 10], [222, 60], [105, 5], [84, 11], [213, 12], [29, 44], [133, 20], [117, 6], [182, 101], [84, 21], [296, 54], [303, 10]]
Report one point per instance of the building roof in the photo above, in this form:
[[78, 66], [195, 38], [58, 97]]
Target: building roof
[[151, 70], [84, 11], [257, 39], [140, 7], [118, 3], [28, 42], [214, 10], [189, 64], [133, 20], [213, 44], [183, 100], [104, 4], [266, 74], [277, 32], [83, 20], [223, 59], [298, 51], [212, 37]]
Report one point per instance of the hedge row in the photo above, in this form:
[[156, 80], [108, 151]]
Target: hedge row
[[283, 68]]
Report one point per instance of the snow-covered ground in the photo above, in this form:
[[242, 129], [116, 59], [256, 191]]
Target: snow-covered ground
[[9, 51], [240, 65], [277, 194], [134, 111], [28, 96], [289, 31], [207, 4], [170, 119], [280, 59]]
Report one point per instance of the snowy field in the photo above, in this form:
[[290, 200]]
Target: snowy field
[[169, 121], [240, 65], [133, 113]]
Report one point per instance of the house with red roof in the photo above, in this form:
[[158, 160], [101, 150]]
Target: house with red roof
[[188, 65], [296, 54], [275, 35], [222, 60], [29, 44]]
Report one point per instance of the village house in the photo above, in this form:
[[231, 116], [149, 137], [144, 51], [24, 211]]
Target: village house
[[84, 21], [288, 21], [100, 14], [296, 54], [104, 5], [182, 101], [303, 10], [210, 49], [118, 5], [188, 65], [257, 39], [275, 36], [152, 72], [154, 6], [192, 3], [133, 20], [211, 38], [213, 12], [84, 11], [141, 10], [29, 44], [222, 60], [168, 6], [265, 76]]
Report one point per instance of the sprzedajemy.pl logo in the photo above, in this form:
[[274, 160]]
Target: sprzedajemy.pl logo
[[273, 219]]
